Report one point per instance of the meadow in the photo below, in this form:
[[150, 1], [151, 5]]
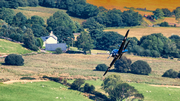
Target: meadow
[[7, 47], [39, 91], [83, 66], [43, 12]]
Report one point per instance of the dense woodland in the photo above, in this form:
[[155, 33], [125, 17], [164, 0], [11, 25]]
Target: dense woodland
[[28, 31]]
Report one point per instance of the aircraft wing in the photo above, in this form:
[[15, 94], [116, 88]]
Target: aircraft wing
[[112, 63], [119, 52], [123, 43]]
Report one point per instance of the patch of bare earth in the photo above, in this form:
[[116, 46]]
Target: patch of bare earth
[[165, 86]]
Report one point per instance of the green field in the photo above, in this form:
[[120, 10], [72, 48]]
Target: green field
[[39, 91], [52, 91], [153, 93], [7, 47]]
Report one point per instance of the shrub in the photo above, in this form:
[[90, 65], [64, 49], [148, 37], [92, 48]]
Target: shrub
[[179, 74], [88, 88], [58, 51], [34, 48], [170, 73], [27, 78], [77, 84], [123, 65], [140, 67], [14, 59], [101, 67]]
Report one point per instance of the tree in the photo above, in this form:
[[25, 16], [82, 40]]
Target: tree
[[131, 18], [58, 51], [177, 13], [37, 20], [40, 42], [33, 3], [88, 88], [111, 81], [77, 84], [123, 91], [14, 59], [7, 15], [101, 67], [83, 10], [158, 13], [64, 34], [19, 20], [29, 40], [167, 12], [60, 18], [123, 65], [109, 41], [164, 24], [39, 30], [118, 90], [84, 42], [170, 73], [91, 24], [140, 67]]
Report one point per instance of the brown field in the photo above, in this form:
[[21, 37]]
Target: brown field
[[81, 65], [148, 4], [139, 32]]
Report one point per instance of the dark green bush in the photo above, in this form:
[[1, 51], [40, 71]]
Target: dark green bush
[[88, 88], [14, 59], [140, 67], [123, 65], [179, 74], [77, 84], [58, 51], [34, 48], [101, 67], [170, 73], [27, 78]]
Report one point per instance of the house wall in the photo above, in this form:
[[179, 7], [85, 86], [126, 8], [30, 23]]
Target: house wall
[[50, 40], [52, 47]]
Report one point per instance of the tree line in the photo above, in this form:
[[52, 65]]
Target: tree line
[[28, 31]]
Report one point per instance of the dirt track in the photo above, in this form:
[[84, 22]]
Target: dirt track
[[165, 86], [23, 81]]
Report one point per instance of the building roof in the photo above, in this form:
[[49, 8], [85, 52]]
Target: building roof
[[44, 38]]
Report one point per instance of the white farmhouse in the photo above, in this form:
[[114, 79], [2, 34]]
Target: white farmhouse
[[51, 43], [51, 39]]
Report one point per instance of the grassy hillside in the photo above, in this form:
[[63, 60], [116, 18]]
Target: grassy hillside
[[148, 4], [8, 47], [39, 91], [43, 12], [84, 65], [139, 32]]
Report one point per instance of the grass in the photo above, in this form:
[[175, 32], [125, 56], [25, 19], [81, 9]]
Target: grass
[[39, 91], [84, 65], [150, 92], [154, 93], [43, 12], [8, 47]]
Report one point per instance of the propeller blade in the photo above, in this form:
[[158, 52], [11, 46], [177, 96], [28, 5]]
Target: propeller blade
[[127, 44]]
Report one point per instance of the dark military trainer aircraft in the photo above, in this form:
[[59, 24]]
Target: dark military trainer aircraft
[[118, 53]]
